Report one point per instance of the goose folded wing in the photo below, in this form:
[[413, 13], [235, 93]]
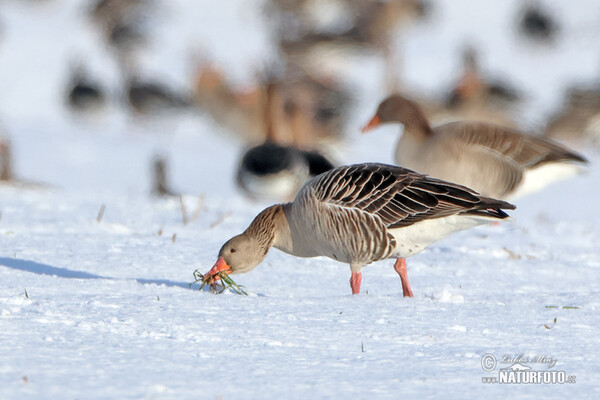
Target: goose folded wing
[[526, 150], [398, 196]]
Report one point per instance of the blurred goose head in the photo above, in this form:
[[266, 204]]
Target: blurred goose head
[[398, 109], [83, 93]]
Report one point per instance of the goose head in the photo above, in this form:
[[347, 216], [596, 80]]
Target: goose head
[[398, 109]]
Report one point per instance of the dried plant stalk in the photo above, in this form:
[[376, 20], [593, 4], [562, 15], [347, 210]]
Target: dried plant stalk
[[100, 213], [184, 216]]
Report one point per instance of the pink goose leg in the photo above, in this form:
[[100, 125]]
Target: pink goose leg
[[355, 280], [400, 267]]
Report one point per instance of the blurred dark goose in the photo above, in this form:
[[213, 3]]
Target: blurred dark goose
[[274, 171], [126, 36], [84, 94], [152, 97], [537, 23], [358, 214], [494, 160]]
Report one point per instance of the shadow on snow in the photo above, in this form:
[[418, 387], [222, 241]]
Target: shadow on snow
[[44, 269]]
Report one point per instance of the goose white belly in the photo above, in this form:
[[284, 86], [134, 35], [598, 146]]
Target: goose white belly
[[537, 178], [415, 238]]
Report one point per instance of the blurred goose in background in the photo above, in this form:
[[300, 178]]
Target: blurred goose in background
[[356, 22], [149, 98], [272, 170], [494, 160], [83, 93], [359, 214], [319, 37], [238, 111], [537, 23], [306, 111], [123, 23], [126, 36], [579, 120], [108, 11], [477, 97], [312, 112]]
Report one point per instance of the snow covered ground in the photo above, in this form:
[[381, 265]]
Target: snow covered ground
[[103, 309]]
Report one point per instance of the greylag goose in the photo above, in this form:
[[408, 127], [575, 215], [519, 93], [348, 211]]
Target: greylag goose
[[495, 161], [359, 214]]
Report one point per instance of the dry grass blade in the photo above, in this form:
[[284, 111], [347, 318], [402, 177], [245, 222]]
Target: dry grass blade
[[184, 216], [217, 286], [100, 213]]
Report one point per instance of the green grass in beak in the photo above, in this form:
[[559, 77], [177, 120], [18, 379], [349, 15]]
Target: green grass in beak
[[219, 286]]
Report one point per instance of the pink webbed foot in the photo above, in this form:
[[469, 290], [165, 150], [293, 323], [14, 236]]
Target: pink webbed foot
[[355, 280], [400, 267]]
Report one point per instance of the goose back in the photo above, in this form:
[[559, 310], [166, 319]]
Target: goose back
[[502, 156]]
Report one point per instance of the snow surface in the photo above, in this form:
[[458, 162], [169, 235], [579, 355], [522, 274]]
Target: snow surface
[[103, 310]]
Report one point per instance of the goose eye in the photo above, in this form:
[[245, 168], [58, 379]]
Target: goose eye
[[233, 250]]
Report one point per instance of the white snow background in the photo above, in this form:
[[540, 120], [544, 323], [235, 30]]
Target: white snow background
[[94, 310]]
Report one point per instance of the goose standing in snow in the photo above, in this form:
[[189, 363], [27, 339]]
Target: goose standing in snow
[[359, 214], [495, 161]]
